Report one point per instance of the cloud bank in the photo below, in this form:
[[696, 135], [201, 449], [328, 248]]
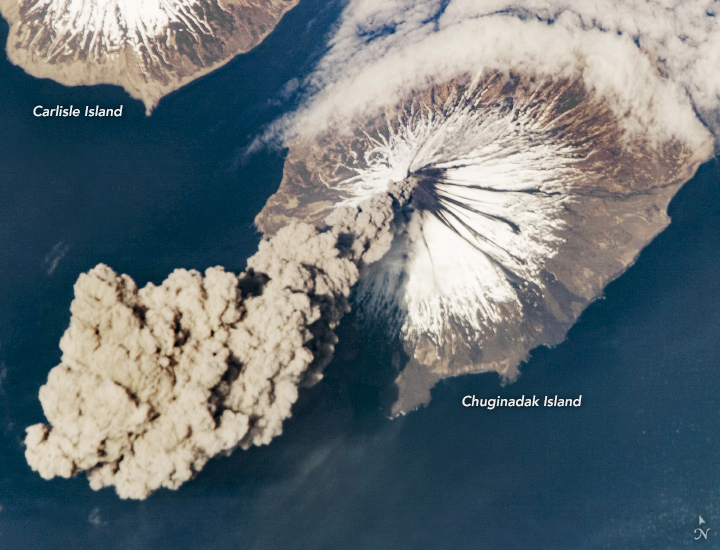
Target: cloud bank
[[655, 62]]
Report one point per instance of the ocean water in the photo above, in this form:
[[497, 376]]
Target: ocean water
[[634, 467]]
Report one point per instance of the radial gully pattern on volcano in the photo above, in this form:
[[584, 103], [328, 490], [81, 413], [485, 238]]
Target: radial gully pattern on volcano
[[529, 197]]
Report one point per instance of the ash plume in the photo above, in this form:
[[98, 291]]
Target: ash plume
[[153, 382], [530, 151]]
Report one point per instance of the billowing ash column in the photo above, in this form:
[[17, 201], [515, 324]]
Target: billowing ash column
[[154, 382]]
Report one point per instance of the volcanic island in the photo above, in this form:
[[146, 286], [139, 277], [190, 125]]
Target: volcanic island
[[149, 47], [530, 196]]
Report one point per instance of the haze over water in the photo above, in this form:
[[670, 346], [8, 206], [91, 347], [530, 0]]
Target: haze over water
[[633, 467]]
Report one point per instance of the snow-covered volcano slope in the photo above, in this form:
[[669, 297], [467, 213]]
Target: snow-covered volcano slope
[[543, 140], [150, 47], [530, 196]]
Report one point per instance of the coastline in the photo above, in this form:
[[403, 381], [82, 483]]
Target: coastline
[[145, 81]]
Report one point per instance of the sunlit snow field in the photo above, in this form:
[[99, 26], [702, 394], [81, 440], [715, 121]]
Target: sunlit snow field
[[632, 468]]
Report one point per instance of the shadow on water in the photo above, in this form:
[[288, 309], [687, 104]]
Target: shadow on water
[[152, 194], [145, 195], [365, 367], [351, 402], [626, 470], [629, 469]]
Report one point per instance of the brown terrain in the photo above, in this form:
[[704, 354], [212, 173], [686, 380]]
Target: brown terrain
[[201, 36], [615, 188]]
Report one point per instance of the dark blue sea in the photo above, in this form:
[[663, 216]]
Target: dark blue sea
[[633, 468]]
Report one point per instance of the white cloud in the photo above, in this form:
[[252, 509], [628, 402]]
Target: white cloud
[[653, 62]]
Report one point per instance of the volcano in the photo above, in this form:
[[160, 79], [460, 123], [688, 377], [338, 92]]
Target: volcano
[[150, 48], [530, 195]]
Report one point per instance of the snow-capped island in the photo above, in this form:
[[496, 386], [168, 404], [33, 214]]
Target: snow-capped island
[[529, 195], [149, 47]]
